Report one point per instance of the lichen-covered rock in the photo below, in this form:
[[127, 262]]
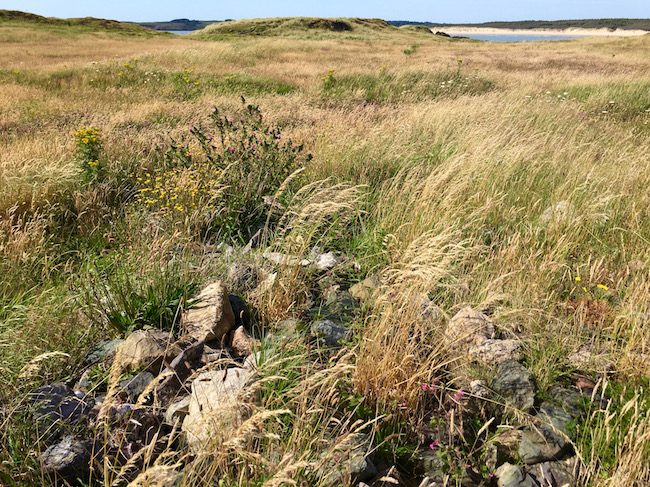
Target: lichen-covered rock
[[509, 475], [468, 328], [365, 290], [104, 352], [68, 457], [329, 333], [212, 317], [548, 440], [144, 350], [493, 352], [515, 385], [214, 408]]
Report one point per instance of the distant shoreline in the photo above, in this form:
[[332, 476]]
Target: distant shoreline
[[462, 31]]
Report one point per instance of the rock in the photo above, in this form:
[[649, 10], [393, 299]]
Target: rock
[[242, 343], [478, 389], [58, 403], [515, 385], [243, 276], [158, 476], [327, 261], [214, 409], [430, 464], [348, 462], [570, 400], [549, 440], [68, 457], [365, 290], [586, 360], [509, 475], [504, 448], [468, 328], [144, 350], [329, 333], [177, 411], [212, 318], [493, 352], [104, 352], [338, 306], [241, 311], [559, 213], [557, 474], [130, 389]]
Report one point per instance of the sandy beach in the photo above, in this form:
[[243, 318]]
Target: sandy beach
[[459, 31]]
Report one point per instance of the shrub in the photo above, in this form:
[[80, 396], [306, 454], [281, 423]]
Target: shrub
[[218, 180]]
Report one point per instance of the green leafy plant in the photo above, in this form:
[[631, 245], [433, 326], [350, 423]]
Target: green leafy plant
[[89, 148], [126, 300]]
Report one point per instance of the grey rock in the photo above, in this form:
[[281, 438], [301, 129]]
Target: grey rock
[[243, 276], [144, 350], [365, 290], [131, 388], [468, 328], [348, 462], [329, 333], [549, 439], [504, 448], [104, 352], [557, 474], [327, 261], [177, 411], [67, 457], [212, 317], [57, 403], [214, 409], [515, 385], [509, 475], [493, 352]]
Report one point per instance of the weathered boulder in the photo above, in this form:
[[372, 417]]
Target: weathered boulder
[[144, 350], [548, 440], [504, 448], [131, 388], [348, 462], [177, 411], [365, 290], [329, 333], [493, 352], [515, 385], [70, 456], [214, 408], [104, 352], [58, 404], [212, 317], [563, 473], [473, 333], [468, 328], [242, 344], [509, 475]]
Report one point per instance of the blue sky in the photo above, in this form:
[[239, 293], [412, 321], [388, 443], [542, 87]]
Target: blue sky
[[432, 10]]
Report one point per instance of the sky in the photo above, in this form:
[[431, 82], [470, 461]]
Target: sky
[[422, 10]]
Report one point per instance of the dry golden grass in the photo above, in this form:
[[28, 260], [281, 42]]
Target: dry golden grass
[[454, 190]]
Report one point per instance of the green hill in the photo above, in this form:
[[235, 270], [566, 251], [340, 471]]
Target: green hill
[[87, 24], [313, 27]]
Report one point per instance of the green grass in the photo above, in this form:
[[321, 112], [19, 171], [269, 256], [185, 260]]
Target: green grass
[[386, 87]]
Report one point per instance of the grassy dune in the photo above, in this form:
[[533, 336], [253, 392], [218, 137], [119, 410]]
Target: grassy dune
[[512, 178]]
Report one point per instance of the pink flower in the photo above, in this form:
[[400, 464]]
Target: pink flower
[[434, 445], [458, 396], [425, 387]]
